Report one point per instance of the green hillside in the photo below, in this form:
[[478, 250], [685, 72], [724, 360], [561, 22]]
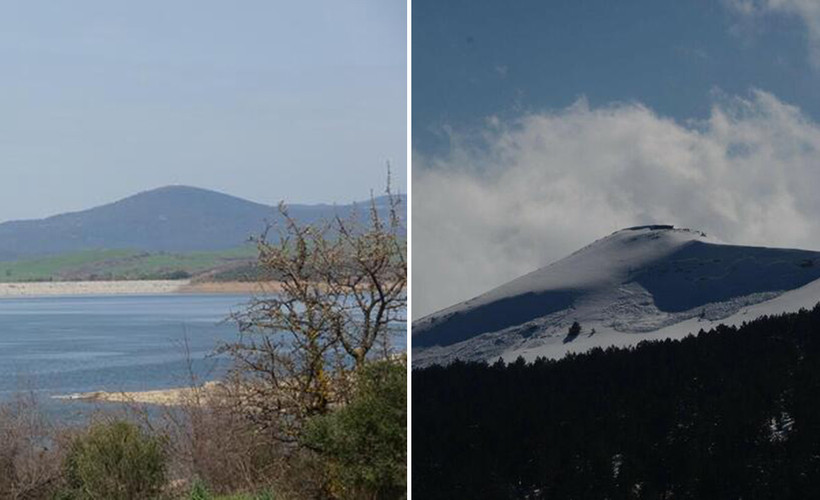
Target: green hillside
[[125, 265]]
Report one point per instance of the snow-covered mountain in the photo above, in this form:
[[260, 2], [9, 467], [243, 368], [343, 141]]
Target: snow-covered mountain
[[640, 283]]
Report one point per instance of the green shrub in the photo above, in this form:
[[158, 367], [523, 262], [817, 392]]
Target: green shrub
[[260, 496], [179, 274], [115, 461], [365, 442], [199, 492]]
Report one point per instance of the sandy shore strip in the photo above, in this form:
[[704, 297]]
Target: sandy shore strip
[[136, 287], [48, 288], [228, 287], [159, 397]]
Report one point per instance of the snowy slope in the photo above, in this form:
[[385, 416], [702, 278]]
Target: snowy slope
[[640, 283]]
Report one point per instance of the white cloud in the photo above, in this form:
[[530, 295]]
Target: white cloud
[[808, 11], [521, 194]]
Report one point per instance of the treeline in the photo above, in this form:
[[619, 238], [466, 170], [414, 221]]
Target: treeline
[[729, 413]]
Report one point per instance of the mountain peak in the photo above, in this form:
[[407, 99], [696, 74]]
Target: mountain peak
[[181, 192], [635, 282], [170, 188], [175, 218], [658, 229], [651, 227], [181, 189]]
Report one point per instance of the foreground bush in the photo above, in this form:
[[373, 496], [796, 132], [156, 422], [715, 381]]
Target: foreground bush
[[215, 443], [200, 492], [115, 461], [29, 455], [365, 441]]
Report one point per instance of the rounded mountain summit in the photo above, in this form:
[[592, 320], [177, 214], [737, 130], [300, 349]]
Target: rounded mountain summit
[[167, 219], [640, 283]]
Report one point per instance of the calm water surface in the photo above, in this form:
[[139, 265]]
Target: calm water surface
[[56, 346], [63, 345]]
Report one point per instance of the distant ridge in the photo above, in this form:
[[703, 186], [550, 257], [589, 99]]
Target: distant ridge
[[166, 219]]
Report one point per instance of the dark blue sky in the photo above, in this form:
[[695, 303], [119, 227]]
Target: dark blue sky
[[473, 59]]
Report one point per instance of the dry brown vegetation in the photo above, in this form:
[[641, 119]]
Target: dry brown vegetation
[[30, 451]]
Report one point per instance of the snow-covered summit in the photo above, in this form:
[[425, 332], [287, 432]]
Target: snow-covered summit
[[636, 281]]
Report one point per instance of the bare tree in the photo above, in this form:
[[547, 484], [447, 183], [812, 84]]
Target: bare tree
[[340, 288]]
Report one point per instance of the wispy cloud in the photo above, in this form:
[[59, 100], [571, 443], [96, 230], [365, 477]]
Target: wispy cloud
[[523, 193], [808, 11]]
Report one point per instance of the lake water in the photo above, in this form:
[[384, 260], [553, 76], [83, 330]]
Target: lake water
[[64, 345]]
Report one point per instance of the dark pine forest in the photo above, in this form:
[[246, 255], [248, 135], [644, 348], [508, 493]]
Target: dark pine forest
[[728, 413]]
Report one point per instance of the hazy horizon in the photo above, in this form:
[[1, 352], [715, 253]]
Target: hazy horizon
[[362, 198], [304, 102]]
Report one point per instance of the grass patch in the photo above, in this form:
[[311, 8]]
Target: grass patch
[[123, 265]]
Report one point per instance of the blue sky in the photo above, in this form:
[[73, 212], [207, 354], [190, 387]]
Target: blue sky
[[302, 101], [473, 59], [539, 127]]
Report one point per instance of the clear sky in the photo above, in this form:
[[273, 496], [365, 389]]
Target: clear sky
[[99, 99], [539, 127]]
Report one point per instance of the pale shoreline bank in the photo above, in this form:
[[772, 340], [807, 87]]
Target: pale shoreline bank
[[135, 287], [176, 396]]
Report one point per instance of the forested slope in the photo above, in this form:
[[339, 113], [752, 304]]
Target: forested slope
[[729, 413]]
